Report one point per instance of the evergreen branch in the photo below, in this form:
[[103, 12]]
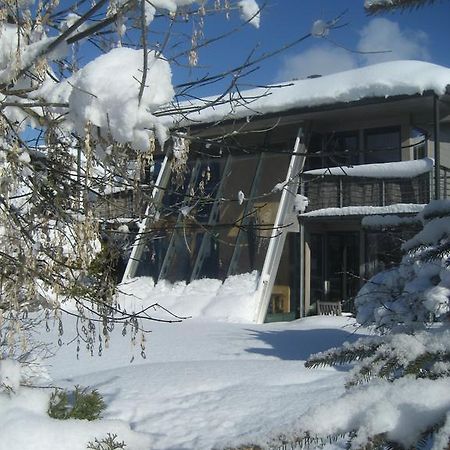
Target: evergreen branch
[[337, 356], [377, 6]]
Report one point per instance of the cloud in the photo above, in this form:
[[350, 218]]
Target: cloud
[[378, 35], [318, 60], [383, 34]]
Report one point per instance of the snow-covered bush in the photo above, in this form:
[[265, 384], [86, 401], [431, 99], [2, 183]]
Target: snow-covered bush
[[417, 292], [398, 391]]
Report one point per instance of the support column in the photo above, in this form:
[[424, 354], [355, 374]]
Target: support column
[[437, 149]]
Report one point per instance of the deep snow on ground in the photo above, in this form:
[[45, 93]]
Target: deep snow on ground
[[207, 384]]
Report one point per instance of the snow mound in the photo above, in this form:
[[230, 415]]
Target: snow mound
[[231, 301], [27, 410]]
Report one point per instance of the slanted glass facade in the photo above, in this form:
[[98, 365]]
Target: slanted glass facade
[[215, 219]]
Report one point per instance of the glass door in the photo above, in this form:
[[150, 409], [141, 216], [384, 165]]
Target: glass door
[[342, 268]]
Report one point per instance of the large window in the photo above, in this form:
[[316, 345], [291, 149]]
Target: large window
[[382, 145], [332, 149], [203, 229]]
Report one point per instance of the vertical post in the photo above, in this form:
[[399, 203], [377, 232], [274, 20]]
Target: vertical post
[[150, 212], [445, 182], [302, 269], [278, 235], [302, 258], [362, 257], [437, 150]]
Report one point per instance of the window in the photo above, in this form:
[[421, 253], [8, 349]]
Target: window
[[382, 145], [203, 230], [342, 149], [314, 158], [419, 140]]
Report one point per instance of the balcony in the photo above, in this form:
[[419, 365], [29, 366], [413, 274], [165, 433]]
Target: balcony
[[369, 185]]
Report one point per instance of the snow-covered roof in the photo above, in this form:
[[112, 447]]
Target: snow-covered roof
[[399, 169], [400, 208], [388, 221], [380, 80]]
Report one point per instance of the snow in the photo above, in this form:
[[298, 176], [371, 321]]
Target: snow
[[399, 208], [27, 410], [379, 80], [402, 409], [241, 197], [432, 232], [231, 301], [370, 3], [112, 103], [250, 11], [9, 374], [399, 169], [300, 203], [387, 221], [207, 384]]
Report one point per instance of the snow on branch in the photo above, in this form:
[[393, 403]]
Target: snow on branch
[[380, 6]]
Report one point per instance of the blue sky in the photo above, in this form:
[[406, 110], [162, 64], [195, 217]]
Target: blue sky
[[422, 34]]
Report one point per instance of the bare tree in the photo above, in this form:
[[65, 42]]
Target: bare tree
[[72, 132]]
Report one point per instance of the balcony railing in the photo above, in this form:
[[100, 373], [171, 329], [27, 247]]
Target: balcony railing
[[339, 191]]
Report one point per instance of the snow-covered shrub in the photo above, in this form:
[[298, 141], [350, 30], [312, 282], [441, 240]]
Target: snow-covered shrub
[[417, 292], [398, 391], [398, 394]]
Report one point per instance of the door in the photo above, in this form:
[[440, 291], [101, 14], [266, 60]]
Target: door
[[341, 281], [334, 267]]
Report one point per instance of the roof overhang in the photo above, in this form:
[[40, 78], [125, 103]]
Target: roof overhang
[[418, 106]]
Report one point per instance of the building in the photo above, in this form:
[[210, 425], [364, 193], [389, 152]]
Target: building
[[311, 186]]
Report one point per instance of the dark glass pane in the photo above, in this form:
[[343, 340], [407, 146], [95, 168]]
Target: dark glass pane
[[342, 268], [314, 149], [317, 280], [238, 175], [382, 145], [260, 216], [342, 149]]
